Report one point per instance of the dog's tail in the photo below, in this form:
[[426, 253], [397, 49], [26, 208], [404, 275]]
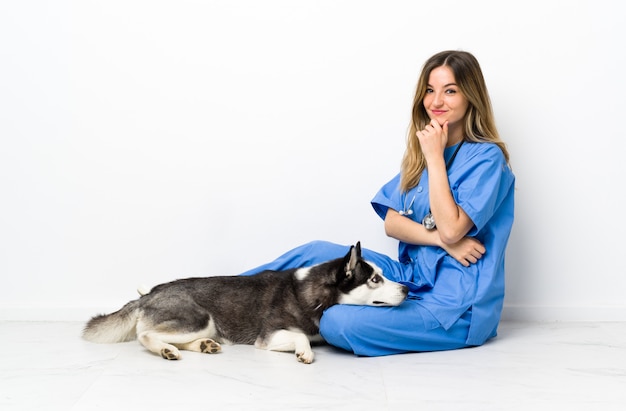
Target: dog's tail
[[119, 326]]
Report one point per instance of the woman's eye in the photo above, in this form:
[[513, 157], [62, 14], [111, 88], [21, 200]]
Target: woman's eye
[[429, 90], [450, 91]]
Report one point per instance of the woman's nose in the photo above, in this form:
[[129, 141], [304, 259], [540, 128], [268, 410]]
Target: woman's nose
[[438, 99]]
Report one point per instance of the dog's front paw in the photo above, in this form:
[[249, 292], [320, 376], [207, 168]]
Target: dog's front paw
[[305, 357], [209, 346], [170, 354]]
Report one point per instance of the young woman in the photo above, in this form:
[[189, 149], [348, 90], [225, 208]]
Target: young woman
[[451, 208]]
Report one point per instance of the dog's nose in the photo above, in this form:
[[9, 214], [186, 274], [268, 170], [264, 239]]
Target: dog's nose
[[405, 290]]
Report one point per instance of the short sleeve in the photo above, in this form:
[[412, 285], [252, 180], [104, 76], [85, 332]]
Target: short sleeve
[[480, 187], [388, 196]]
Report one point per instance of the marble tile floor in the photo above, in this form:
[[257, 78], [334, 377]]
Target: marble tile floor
[[529, 366]]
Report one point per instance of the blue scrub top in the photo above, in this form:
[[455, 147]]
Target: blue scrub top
[[483, 185]]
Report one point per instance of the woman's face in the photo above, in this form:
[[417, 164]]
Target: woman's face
[[443, 100]]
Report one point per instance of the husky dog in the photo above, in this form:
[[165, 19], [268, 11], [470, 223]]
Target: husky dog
[[274, 310]]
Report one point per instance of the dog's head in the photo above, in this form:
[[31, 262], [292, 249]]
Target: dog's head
[[361, 282]]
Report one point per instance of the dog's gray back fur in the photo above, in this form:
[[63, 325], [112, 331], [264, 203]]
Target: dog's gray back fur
[[245, 308]]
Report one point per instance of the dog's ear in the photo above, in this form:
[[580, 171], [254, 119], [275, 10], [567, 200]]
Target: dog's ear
[[351, 259]]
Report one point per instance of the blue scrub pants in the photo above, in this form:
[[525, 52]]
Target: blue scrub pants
[[375, 331]]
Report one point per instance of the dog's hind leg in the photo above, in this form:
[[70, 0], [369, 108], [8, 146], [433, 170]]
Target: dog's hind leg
[[289, 341], [166, 341], [156, 342], [203, 345], [152, 340], [198, 341]]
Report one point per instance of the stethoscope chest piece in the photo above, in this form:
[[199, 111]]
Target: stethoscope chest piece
[[429, 221]]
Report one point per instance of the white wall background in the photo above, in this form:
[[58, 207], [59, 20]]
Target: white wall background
[[143, 141]]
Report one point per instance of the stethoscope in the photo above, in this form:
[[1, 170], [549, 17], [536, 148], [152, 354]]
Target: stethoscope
[[429, 220], [407, 210]]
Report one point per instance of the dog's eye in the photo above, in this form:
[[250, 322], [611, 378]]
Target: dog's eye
[[376, 279]]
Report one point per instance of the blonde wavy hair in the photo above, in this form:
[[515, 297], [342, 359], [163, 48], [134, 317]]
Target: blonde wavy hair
[[479, 121]]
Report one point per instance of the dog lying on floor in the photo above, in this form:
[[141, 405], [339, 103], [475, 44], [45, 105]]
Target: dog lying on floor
[[274, 310]]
